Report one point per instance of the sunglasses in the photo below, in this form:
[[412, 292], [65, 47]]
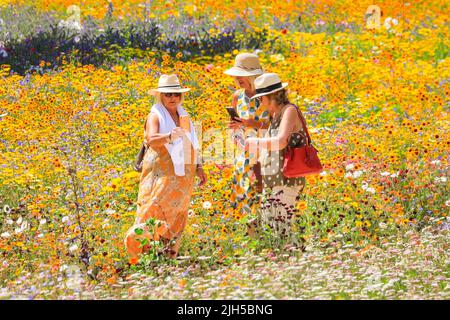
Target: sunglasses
[[169, 94]]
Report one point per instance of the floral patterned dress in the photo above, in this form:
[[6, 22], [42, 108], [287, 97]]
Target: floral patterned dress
[[242, 195], [163, 196]]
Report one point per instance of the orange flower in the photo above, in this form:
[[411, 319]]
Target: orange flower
[[55, 267], [133, 260], [112, 280], [301, 205]]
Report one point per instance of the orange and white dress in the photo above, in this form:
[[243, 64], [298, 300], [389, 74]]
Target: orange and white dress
[[163, 195]]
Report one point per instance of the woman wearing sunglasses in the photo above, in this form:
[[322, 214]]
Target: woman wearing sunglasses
[[252, 118], [168, 172], [285, 129]]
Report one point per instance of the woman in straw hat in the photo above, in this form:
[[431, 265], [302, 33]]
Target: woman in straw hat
[[168, 173], [252, 118], [285, 129]]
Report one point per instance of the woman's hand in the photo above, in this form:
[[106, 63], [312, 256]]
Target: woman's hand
[[176, 133], [239, 141], [249, 123], [235, 124], [202, 176], [246, 123], [251, 143]]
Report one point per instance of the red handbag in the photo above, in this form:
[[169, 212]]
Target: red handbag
[[301, 161]]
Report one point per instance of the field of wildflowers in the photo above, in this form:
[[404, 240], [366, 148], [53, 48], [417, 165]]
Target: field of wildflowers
[[74, 93]]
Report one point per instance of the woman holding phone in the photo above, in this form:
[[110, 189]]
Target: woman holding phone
[[168, 172], [251, 119], [286, 129]]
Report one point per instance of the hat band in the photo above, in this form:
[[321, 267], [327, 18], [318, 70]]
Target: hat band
[[247, 68], [176, 86], [269, 88]]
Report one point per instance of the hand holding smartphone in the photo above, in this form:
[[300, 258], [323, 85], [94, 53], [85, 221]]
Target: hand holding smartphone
[[233, 114]]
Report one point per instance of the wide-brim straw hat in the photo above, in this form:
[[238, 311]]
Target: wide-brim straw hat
[[268, 83], [169, 84], [245, 65]]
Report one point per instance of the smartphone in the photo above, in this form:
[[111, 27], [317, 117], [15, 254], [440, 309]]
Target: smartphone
[[233, 113]]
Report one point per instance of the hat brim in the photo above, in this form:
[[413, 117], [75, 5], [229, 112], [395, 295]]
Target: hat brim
[[283, 85], [170, 90], [239, 72]]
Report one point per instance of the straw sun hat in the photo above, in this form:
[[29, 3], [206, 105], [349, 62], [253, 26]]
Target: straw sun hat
[[169, 83], [268, 83], [245, 65]]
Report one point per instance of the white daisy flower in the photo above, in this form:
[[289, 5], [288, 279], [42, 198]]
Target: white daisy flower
[[207, 205], [357, 174]]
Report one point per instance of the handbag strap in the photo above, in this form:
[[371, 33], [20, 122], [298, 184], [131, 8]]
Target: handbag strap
[[145, 125], [305, 128]]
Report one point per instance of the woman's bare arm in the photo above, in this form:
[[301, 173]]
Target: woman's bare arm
[[234, 100], [289, 122], [152, 135]]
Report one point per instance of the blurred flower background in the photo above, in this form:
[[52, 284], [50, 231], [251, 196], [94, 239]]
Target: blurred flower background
[[74, 93]]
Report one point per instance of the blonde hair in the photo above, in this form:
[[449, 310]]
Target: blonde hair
[[158, 99], [252, 81]]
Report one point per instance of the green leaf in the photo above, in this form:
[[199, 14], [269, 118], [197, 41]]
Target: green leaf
[[138, 231]]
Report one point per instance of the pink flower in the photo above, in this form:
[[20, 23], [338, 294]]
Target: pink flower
[[209, 67], [320, 22], [340, 141]]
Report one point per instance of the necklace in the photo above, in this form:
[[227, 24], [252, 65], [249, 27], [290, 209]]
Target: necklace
[[175, 119]]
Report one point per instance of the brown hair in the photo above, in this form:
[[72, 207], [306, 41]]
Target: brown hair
[[280, 97]]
